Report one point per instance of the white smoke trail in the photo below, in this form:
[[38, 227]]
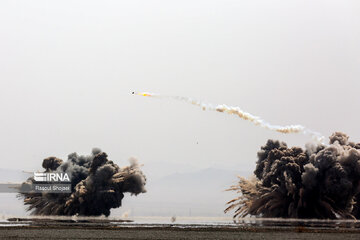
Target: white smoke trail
[[242, 114]]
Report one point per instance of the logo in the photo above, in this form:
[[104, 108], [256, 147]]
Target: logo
[[51, 177]]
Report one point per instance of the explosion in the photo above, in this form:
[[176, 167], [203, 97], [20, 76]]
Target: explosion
[[322, 181], [97, 185]]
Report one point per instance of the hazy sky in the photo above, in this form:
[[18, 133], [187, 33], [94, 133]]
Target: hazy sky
[[67, 70]]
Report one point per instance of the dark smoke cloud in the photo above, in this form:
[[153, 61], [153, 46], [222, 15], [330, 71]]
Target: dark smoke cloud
[[319, 182], [97, 183]]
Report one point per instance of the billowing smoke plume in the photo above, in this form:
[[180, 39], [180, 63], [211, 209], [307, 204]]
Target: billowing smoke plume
[[319, 182], [97, 185], [242, 114]]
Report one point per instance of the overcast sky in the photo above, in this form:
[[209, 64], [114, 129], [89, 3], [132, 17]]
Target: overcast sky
[[67, 70]]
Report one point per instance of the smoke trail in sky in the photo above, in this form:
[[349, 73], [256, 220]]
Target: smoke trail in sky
[[242, 114]]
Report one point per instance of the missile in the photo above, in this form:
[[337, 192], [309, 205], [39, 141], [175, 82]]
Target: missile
[[145, 94]]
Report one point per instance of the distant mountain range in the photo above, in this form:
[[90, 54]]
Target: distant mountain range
[[13, 175], [198, 193]]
